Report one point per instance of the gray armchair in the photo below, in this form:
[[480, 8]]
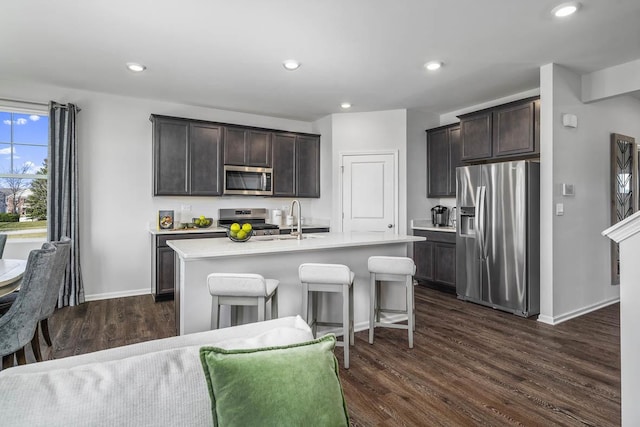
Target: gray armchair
[[3, 241], [19, 323], [60, 266], [7, 300]]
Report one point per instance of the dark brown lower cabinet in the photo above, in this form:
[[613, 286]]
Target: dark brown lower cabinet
[[435, 259], [163, 265]]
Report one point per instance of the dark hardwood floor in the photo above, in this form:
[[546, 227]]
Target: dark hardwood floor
[[471, 365]]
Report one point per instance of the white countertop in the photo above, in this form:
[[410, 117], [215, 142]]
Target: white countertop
[[220, 229], [426, 224], [219, 248]]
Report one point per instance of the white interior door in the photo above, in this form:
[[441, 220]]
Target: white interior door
[[369, 189]]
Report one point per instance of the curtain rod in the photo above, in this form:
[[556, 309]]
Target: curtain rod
[[66, 106]]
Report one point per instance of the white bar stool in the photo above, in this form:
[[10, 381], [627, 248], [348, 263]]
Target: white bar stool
[[335, 278], [243, 290], [394, 270]]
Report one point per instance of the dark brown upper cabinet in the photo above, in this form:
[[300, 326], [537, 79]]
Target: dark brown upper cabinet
[[284, 165], [186, 157], [513, 129], [308, 166], [247, 147], [506, 131], [475, 133], [443, 157], [189, 157], [296, 165]]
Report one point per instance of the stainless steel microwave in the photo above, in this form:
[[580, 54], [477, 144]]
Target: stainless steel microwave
[[247, 180]]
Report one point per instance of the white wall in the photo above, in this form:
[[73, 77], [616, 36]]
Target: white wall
[[546, 194], [580, 267], [115, 158], [613, 81], [322, 207], [379, 130]]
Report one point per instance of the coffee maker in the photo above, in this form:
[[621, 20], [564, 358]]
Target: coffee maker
[[440, 216]]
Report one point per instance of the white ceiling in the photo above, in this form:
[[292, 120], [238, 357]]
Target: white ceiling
[[228, 54]]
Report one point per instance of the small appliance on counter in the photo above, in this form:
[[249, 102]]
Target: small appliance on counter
[[440, 216], [453, 216], [276, 217]]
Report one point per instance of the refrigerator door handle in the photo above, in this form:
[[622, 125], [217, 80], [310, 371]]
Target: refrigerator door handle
[[477, 225], [482, 192]]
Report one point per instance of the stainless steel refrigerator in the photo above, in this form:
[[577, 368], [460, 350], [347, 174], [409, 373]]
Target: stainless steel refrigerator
[[498, 236]]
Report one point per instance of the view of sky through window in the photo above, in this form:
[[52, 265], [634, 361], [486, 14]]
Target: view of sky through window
[[23, 142]]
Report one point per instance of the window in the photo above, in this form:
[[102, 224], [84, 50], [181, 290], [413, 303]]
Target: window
[[24, 143]]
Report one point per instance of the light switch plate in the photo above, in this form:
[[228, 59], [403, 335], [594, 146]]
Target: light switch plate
[[568, 190], [559, 209]]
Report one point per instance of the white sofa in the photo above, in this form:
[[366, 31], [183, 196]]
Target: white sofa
[[155, 383]]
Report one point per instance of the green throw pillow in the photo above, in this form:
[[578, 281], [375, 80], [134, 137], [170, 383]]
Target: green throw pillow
[[294, 385]]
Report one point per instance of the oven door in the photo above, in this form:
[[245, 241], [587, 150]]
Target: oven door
[[246, 180]]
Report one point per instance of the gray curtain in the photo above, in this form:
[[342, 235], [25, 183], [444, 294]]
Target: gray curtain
[[63, 195]]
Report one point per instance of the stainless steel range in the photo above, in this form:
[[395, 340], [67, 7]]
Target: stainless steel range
[[257, 217]]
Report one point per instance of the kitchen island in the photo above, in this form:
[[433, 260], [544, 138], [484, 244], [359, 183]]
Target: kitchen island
[[278, 257]]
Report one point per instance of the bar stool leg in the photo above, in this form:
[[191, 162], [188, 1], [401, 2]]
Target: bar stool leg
[[410, 318], [315, 296], [305, 302], [378, 299], [215, 312], [274, 305], [413, 301], [345, 324], [372, 305], [352, 337]]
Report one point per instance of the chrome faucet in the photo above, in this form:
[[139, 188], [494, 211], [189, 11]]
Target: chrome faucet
[[297, 233]]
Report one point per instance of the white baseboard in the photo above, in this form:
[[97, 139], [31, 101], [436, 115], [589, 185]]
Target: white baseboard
[[110, 295], [576, 313]]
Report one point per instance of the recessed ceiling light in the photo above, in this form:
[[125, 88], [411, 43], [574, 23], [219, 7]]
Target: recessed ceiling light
[[135, 67], [345, 105], [291, 64], [433, 65], [565, 9]]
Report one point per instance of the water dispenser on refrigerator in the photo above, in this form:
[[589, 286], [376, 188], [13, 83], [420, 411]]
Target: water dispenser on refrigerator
[[467, 221]]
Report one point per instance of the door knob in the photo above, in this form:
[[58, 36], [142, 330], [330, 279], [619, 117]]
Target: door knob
[[390, 226]]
